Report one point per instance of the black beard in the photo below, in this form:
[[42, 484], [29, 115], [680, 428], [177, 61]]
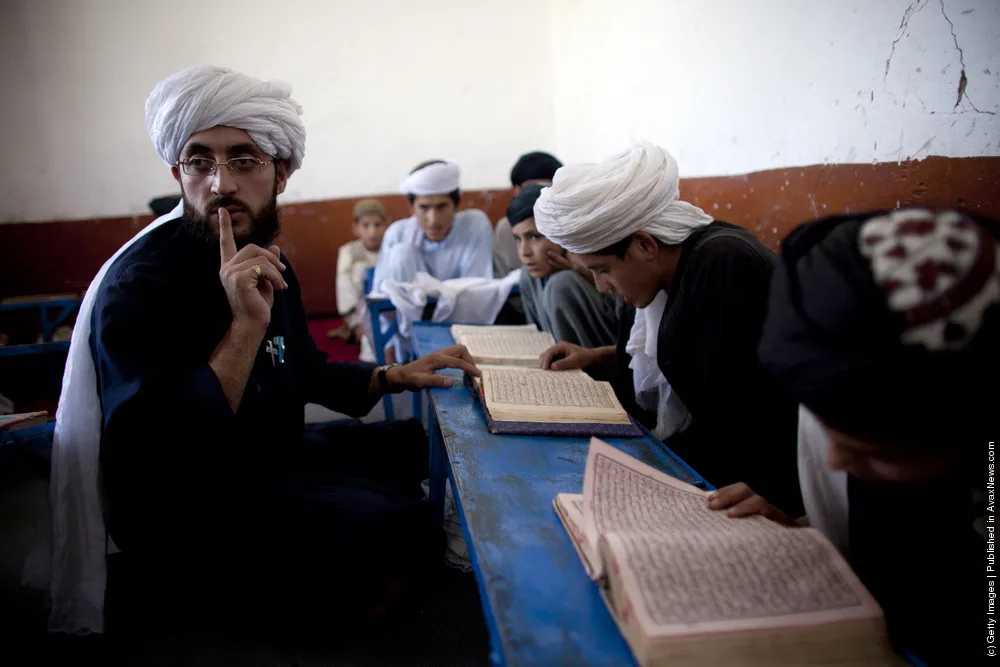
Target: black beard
[[263, 227]]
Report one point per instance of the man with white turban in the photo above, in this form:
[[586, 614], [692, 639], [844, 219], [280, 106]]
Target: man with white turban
[[695, 294], [195, 338], [436, 239]]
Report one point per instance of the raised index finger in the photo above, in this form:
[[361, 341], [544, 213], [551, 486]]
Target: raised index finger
[[227, 245]]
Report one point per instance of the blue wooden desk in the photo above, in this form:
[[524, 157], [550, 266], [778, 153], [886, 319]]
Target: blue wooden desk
[[31, 439], [540, 606], [63, 306]]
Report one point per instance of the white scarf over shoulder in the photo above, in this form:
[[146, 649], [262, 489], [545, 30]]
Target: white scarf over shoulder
[[189, 101], [75, 570], [652, 391], [595, 205]]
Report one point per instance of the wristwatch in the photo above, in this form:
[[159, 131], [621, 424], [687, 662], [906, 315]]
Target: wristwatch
[[383, 381]]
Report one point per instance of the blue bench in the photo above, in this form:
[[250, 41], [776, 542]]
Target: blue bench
[[54, 310], [376, 308], [31, 439]]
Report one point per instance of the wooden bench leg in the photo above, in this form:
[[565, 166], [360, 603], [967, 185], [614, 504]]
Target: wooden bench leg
[[438, 465], [418, 397]]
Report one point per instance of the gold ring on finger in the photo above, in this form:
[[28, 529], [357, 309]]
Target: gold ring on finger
[[256, 269]]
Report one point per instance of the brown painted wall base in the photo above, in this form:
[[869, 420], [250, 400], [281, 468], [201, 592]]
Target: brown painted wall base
[[63, 256]]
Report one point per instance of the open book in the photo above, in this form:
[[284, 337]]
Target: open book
[[691, 586], [533, 401], [515, 345]]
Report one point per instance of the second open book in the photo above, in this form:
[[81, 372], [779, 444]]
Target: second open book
[[691, 586], [509, 345], [521, 398]]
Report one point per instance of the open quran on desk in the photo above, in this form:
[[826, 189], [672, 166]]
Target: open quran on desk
[[694, 587], [520, 398]]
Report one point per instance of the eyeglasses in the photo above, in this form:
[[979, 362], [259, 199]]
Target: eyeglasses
[[203, 167]]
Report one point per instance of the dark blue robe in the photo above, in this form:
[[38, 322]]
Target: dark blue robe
[[251, 504]]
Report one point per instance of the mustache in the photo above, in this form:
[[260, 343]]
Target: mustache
[[225, 201]]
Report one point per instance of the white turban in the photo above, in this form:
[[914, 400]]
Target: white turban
[[592, 206], [199, 98], [438, 178]]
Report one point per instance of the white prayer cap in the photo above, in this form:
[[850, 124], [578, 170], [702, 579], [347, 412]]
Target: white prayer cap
[[437, 178], [592, 206], [200, 98]]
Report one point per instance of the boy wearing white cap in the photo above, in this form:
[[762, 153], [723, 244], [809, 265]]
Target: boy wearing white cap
[[437, 239]]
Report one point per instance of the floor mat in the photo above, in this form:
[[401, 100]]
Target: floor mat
[[336, 350]]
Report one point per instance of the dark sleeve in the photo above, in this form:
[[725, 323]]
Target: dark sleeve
[[165, 415], [743, 427], [147, 369], [337, 385], [342, 386]]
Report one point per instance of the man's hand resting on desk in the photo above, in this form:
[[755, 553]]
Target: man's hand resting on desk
[[567, 356], [420, 374]]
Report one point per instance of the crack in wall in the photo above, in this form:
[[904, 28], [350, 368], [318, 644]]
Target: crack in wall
[[901, 31], [963, 79]]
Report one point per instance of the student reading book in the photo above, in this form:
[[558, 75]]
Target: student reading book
[[517, 345], [688, 586]]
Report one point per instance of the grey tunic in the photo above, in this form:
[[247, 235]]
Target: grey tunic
[[570, 308], [505, 258]]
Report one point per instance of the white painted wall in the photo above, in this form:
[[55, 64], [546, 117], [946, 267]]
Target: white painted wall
[[728, 86], [733, 86], [384, 84]]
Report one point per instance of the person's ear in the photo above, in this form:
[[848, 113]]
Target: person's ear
[[281, 167], [176, 172], [645, 245]]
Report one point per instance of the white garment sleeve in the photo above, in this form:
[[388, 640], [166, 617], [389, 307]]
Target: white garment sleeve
[[393, 236], [824, 491], [477, 261], [348, 291]]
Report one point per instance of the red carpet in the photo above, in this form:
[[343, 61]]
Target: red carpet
[[336, 350]]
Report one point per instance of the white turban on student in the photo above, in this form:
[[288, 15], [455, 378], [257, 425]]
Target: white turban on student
[[438, 178], [199, 98], [592, 206]]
